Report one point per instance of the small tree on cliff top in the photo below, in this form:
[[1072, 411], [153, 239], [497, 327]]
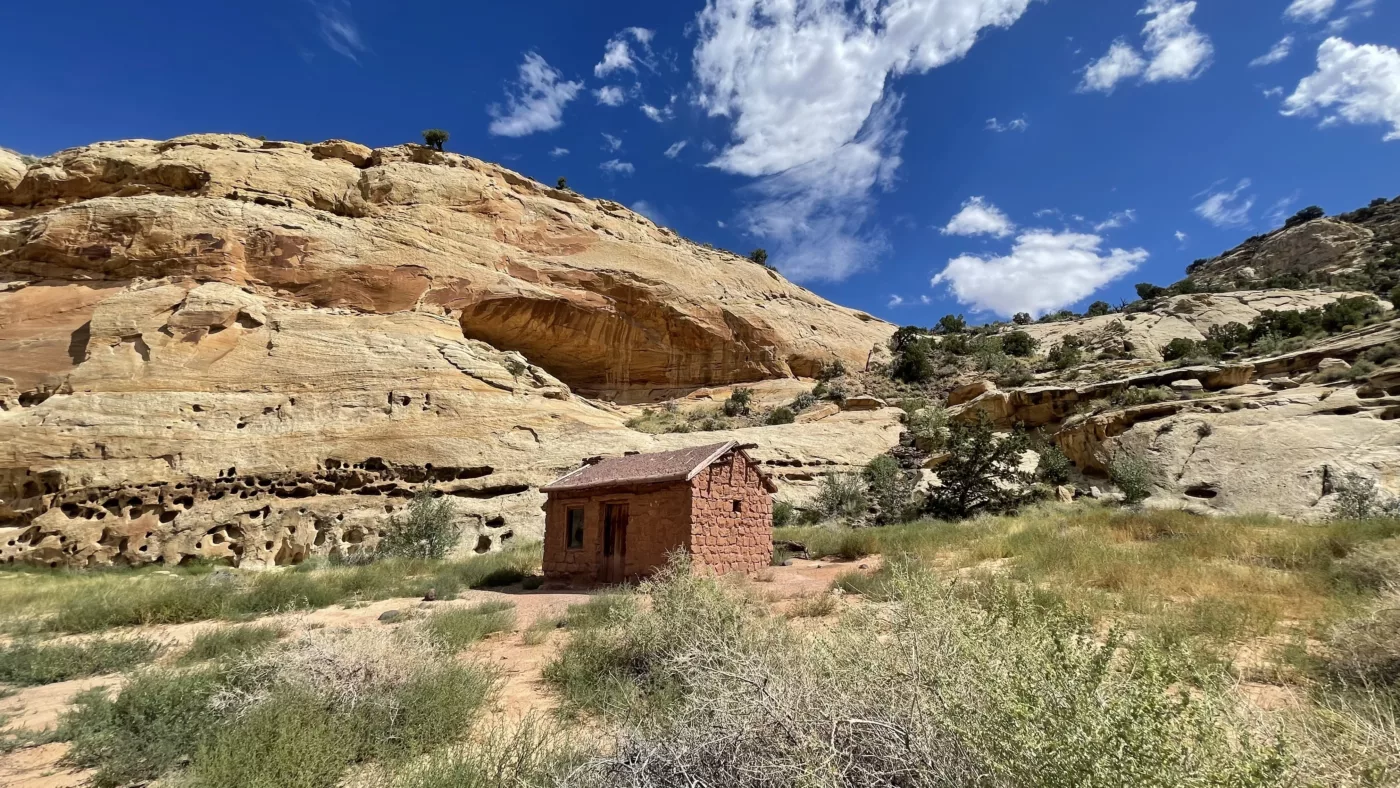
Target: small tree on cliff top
[[435, 138]]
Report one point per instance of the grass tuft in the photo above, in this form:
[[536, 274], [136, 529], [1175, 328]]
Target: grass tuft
[[231, 642], [26, 663], [456, 629]]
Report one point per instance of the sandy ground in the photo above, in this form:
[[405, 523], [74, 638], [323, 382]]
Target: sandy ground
[[522, 690]]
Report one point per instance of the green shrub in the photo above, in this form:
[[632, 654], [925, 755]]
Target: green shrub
[[429, 531], [832, 371], [929, 426], [1098, 309], [25, 663], [1054, 467], [224, 642], [435, 138], [803, 402], [780, 415], [1372, 566], [759, 256], [941, 691], [890, 488], [1134, 477], [841, 495], [1147, 291], [1022, 318], [982, 472], [951, 324], [783, 514], [1180, 348], [1066, 354], [533, 754], [738, 403], [1306, 215], [157, 719], [1382, 354], [1018, 343], [914, 364], [1358, 498]]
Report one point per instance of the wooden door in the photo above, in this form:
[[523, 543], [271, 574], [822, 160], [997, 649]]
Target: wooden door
[[614, 542]]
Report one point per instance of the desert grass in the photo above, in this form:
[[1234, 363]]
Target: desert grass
[[73, 601], [934, 688], [231, 642], [456, 629], [541, 629], [1220, 581], [27, 663], [301, 714]]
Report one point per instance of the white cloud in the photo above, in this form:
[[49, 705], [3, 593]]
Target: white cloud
[[658, 114], [804, 84], [1173, 50], [925, 300], [720, 224], [1355, 84], [611, 143], [650, 211], [895, 300], [1226, 208], [537, 103], [675, 149], [1273, 92], [1279, 51], [1018, 124], [979, 217], [557, 152], [1103, 75], [615, 167], [1360, 9], [338, 29], [618, 54], [610, 95], [1309, 10], [1044, 212], [1180, 236], [1044, 271], [1116, 220]]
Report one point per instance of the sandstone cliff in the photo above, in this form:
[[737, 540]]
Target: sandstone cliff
[[220, 347]]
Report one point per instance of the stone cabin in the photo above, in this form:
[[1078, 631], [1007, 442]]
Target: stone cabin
[[615, 520]]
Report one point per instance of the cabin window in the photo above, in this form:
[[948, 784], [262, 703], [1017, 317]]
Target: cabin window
[[574, 517], [738, 506]]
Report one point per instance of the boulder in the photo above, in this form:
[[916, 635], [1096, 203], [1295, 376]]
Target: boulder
[[1332, 363], [1064, 494], [12, 169], [1188, 386], [970, 392], [353, 152], [1227, 376], [863, 402]]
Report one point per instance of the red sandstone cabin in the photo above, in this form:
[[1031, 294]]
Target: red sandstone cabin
[[616, 519]]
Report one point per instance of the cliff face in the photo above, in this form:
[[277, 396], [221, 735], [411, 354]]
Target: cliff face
[[607, 301], [220, 347]]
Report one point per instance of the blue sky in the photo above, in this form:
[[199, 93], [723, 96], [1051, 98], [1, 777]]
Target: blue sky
[[852, 140]]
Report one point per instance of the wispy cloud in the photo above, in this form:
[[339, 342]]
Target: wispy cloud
[[895, 300], [1116, 220], [557, 152], [1279, 51], [619, 55], [675, 149], [1309, 10], [806, 87], [611, 95], [611, 143], [615, 167], [1226, 208], [1018, 124], [536, 103], [1279, 211], [338, 28]]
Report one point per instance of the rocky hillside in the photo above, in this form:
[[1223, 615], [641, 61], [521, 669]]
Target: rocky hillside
[[216, 346], [1359, 248]]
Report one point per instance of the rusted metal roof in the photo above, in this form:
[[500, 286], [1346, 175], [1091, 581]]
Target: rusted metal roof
[[666, 466]]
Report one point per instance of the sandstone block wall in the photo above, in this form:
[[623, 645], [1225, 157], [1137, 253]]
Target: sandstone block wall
[[658, 522], [732, 528]]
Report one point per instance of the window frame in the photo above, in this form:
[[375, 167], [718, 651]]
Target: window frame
[[569, 526]]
